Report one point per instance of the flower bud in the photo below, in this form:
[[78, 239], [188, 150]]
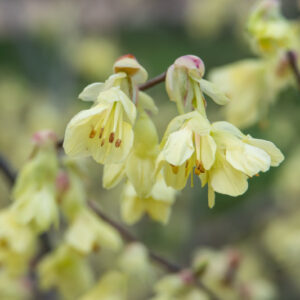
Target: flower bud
[[129, 65]]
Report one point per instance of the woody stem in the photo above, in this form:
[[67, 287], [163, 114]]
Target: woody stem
[[152, 82], [292, 58]]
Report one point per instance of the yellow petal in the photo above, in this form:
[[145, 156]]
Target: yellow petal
[[213, 92], [179, 147], [248, 159], [276, 155], [211, 197], [225, 179], [208, 151], [132, 208], [91, 92], [112, 175], [159, 211]]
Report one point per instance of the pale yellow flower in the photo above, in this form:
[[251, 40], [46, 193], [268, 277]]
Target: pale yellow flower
[[111, 286], [185, 85], [35, 190], [88, 232], [66, 270], [103, 131], [17, 243], [157, 204], [269, 30], [187, 143], [237, 158], [139, 166]]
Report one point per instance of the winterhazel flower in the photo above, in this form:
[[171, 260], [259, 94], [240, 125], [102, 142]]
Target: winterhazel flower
[[253, 85], [269, 30], [112, 285], [105, 130], [185, 85], [238, 157], [17, 243], [88, 233], [139, 166], [66, 270], [35, 192], [187, 144], [157, 204]]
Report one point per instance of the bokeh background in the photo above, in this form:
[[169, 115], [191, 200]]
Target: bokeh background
[[50, 50]]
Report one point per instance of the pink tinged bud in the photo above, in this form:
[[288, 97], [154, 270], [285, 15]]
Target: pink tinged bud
[[44, 137], [62, 181], [187, 277], [193, 64]]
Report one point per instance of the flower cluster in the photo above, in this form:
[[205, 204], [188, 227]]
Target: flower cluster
[[218, 153]]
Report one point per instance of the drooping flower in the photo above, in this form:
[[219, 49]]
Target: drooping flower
[[35, 191], [103, 131], [88, 232], [269, 30], [238, 157], [17, 243], [185, 85], [157, 204], [187, 144], [112, 285], [139, 166], [67, 271]]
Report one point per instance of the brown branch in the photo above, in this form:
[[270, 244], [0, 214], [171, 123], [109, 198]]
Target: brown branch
[[152, 82], [167, 265], [292, 58], [7, 170]]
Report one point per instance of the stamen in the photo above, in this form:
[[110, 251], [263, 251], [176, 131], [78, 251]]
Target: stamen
[[101, 132], [175, 169], [102, 143], [111, 137], [199, 168], [118, 143], [92, 133]]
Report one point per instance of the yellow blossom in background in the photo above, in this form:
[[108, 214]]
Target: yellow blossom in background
[[14, 288], [157, 204], [174, 287], [17, 244], [87, 233], [269, 30], [252, 85], [67, 271], [94, 56], [111, 286], [35, 191]]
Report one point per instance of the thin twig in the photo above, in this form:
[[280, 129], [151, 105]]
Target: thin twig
[[292, 58], [152, 82], [167, 265], [7, 170]]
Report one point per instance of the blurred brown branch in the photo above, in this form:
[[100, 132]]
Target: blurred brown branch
[[292, 58]]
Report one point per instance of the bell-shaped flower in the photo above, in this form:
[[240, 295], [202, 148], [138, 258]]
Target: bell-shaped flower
[[140, 164], [187, 144], [185, 85], [157, 204], [111, 286], [67, 271], [269, 30], [35, 191], [88, 233], [105, 130], [128, 74], [237, 158], [17, 243]]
